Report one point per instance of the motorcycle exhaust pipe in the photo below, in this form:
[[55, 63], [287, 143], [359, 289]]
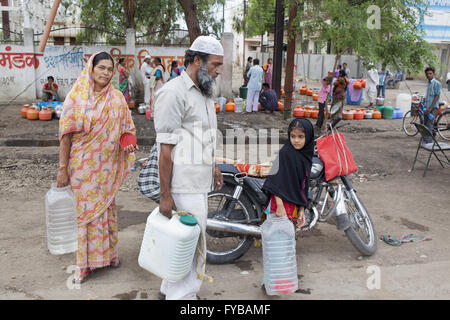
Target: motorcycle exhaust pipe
[[237, 228]]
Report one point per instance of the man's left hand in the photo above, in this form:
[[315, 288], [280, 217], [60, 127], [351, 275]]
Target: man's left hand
[[218, 179]]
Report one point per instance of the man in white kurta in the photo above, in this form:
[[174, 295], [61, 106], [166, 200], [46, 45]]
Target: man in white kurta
[[255, 74], [146, 71], [371, 85], [185, 125]]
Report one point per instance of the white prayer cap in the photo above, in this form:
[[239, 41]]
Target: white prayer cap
[[147, 57], [207, 44]]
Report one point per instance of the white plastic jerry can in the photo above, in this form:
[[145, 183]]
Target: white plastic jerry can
[[169, 245], [61, 220], [279, 256]]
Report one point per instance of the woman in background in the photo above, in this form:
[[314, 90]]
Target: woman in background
[[123, 79]]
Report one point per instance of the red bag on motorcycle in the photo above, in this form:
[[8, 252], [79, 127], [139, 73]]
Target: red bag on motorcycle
[[336, 156]]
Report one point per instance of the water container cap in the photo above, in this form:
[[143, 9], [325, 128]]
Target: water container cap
[[188, 220]]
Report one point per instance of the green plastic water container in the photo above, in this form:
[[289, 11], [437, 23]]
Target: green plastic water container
[[243, 92], [388, 112], [380, 108]]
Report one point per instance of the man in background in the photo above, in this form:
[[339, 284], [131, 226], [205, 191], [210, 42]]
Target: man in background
[[431, 101], [50, 90], [268, 99], [247, 68], [255, 75], [346, 70], [146, 71]]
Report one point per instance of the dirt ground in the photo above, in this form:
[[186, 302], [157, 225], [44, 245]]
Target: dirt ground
[[399, 202]]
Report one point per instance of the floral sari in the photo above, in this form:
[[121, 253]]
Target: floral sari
[[97, 165]]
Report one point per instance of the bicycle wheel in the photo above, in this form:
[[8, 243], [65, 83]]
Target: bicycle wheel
[[443, 125], [408, 127]]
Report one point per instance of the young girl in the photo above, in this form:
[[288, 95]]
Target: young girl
[[322, 100], [287, 182], [339, 93]]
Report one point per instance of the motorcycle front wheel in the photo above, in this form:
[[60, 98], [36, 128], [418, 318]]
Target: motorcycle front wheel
[[361, 233], [224, 247]]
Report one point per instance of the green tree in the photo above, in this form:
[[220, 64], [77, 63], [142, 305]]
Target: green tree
[[396, 40], [152, 18], [259, 18]]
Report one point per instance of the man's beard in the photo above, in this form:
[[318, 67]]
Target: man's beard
[[206, 83]]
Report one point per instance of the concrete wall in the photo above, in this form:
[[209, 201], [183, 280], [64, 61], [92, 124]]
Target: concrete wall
[[316, 66], [21, 68], [23, 71]]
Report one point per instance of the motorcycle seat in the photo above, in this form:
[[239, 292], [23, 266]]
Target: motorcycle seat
[[227, 168], [255, 185]]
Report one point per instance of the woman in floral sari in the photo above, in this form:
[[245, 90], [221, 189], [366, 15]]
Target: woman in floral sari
[[94, 117], [123, 79]]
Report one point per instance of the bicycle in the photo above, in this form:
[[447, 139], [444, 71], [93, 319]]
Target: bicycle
[[416, 114]]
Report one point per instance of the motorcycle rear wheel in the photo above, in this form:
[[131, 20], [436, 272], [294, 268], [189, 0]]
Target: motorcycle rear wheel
[[222, 247]]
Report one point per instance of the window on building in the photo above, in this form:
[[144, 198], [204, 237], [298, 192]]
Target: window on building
[[73, 41], [58, 41], [329, 46], [305, 46], [317, 47]]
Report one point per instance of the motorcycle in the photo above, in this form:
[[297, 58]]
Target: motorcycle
[[236, 212]]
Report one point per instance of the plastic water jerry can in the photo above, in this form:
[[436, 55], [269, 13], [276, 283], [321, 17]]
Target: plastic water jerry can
[[169, 245], [61, 218], [279, 256]]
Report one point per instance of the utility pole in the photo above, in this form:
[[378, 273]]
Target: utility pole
[[244, 22], [289, 80], [48, 25], [278, 47]]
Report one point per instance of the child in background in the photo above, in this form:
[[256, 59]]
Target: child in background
[[287, 182], [339, 93], [324, 94]]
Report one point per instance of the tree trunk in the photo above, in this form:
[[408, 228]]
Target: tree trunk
[[190, 15], [289, 80], [129, 8]]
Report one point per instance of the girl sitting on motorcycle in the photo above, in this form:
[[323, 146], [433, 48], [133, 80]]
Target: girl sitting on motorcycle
[[287, 182]]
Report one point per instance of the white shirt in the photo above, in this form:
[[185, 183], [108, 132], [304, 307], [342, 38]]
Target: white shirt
[[255, 74], [372, 78], [185, 118], [146, 71]]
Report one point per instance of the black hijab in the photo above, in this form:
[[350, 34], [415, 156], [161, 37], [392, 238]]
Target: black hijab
[[289, 179]]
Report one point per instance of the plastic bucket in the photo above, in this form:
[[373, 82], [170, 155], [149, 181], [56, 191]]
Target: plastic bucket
[[243, 92]]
